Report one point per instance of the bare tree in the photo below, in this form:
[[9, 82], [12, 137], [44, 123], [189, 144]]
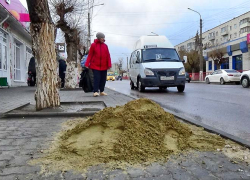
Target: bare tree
[[120, 63], [43, 46], [217, 55], [69, 18], [193, 60]]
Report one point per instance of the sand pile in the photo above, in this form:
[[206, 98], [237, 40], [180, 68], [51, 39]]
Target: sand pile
[[138, 132]]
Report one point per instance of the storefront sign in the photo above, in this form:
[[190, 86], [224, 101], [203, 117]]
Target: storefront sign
[[61, 47], [248, 38], [16, 8]]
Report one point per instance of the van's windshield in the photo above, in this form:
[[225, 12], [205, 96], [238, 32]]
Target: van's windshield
[[159, 54]]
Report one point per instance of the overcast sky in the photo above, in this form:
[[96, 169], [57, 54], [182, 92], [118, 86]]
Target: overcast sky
[[124, 21]]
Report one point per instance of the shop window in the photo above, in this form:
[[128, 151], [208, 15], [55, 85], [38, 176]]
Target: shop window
[[225, 65], [237, 62], [210, 65], [17, 63], [215, 67]]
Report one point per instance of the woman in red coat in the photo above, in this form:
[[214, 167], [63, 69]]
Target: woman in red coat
[[99, 61]]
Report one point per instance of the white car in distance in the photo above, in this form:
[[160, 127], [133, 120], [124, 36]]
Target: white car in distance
[[223, 76], [245, 79]]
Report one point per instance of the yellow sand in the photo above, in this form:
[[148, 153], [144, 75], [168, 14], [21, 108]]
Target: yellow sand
[[136, 133]]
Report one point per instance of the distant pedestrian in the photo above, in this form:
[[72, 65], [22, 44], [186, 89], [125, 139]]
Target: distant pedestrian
[[62, 70], [99, 61], [84, 59]]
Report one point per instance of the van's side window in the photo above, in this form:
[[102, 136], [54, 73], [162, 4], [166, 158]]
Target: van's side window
[[138, 56], [133, 57]]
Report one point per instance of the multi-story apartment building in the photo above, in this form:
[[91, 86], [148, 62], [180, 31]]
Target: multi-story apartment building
[[230, 38]]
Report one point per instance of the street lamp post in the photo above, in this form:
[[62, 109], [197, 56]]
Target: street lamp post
[[201, 53], [89, 40], [127, 61]]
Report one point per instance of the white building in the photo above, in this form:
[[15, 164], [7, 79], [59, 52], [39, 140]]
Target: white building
[[231, 38], [15, 45]]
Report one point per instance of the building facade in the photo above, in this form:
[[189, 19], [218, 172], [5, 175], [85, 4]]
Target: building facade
[[15, 43], [229, 38]]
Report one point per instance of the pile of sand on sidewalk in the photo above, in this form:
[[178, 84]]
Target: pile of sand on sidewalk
[[138, 132]]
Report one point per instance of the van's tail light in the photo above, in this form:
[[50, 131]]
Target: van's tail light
[[230, 74], [190, 75]]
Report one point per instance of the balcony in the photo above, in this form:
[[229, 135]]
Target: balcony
[[245, 24], [224, 33], [244, 34], [211, 38]]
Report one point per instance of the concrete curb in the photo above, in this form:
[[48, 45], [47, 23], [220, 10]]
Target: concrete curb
[[89, 112], [50, 114], [199, 124]]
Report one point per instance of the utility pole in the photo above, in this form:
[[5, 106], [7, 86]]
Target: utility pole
[[89, 36], [89, 41], [201, 52]]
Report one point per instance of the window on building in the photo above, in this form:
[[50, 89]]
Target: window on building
[[28, 56], [217, 33], [17, 63], [225, 64], [243, 21], [215, 67], [3, 51], [235, 35], [235, 26], [230, 36], [216, 41], [224, 29], [237, 62], [209, 65], [245, 29], [230, 28], [225, 39]]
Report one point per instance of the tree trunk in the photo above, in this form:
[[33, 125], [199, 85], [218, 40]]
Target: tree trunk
[[193, 73], [218, 66], [43, 46], [71, 72]]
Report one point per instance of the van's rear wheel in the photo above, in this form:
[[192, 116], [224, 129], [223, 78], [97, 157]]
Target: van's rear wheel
[[141, 88], [181, 88]]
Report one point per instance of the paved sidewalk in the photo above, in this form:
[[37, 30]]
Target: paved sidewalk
[[23, 139], [15, 97]]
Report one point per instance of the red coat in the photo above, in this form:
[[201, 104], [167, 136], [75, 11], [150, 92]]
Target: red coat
[[98, 57]]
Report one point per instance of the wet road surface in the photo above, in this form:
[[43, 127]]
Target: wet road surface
[[225, 107]]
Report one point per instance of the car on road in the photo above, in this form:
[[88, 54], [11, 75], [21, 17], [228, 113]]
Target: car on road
[[223, 76], [245, 79], [119, 78], [110, 76], [188, 77]]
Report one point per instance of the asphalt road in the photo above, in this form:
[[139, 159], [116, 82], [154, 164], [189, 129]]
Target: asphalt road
[[225, 107]]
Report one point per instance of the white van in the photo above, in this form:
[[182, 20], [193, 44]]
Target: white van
[[155, 63]]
